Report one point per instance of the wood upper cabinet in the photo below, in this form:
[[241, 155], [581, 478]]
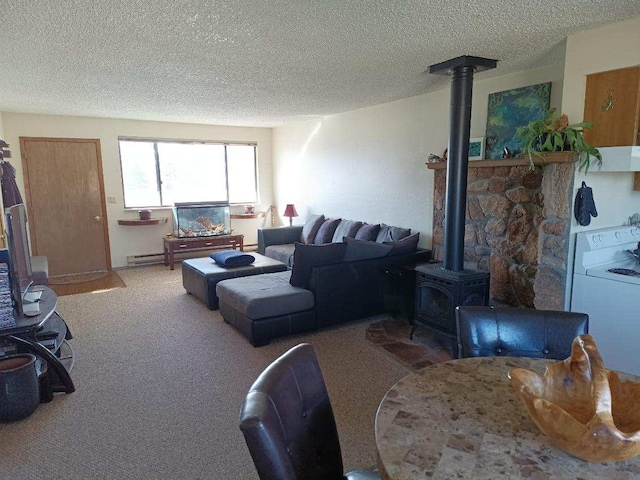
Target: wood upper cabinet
[[612, 103]]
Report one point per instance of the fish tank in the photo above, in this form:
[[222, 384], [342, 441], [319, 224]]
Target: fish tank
[[204, 219]]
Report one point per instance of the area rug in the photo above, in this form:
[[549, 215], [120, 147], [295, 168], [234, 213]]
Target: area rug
[[392, 335], [108, 282], [77, 278]]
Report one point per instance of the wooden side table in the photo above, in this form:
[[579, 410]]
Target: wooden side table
[[173, 244]]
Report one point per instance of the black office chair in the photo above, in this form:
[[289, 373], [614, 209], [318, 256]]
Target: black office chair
[[288, 422], [517, 332]]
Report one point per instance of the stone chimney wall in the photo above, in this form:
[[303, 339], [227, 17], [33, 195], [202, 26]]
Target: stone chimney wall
[[517, 228]]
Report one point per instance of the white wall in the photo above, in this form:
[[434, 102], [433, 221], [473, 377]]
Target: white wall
[[369, 164], [128, 240], [1, 127]]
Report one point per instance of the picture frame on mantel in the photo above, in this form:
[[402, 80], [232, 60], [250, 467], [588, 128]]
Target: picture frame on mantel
[[476, 148]]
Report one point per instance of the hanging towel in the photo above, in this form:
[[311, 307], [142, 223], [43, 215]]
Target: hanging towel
[[584, 207]]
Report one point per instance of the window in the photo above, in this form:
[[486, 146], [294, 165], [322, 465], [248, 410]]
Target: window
[[161, 173]]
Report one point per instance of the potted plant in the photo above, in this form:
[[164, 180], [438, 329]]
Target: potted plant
[[554, 134]]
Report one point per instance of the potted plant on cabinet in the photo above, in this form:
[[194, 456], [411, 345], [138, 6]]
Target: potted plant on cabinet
[[554, 134]]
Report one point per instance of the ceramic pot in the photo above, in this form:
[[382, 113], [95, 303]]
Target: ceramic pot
[[144, 214], [19, 387]]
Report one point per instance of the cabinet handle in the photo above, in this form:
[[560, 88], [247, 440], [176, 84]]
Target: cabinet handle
[[183, 245], [209, 244]]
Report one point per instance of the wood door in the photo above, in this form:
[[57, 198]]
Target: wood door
[[612, 103], [66, 204]]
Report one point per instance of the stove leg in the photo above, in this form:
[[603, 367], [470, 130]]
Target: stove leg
[[413, 330]]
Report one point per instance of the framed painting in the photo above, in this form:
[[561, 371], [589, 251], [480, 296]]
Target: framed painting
[[476, 148], [509, 110]]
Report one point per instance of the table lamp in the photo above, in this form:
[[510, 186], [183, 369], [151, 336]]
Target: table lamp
[[290, 211]]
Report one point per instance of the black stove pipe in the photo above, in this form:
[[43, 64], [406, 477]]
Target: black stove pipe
[[461, 70], [457, 167]]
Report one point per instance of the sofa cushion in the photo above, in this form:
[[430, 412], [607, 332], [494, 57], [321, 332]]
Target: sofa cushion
[[310, 228], [388, 233], [305, 257], [405, 246], [282, 253], [364, 250], [326, 231], [346, 228], [368, 232], [232, 258], [264, 296]]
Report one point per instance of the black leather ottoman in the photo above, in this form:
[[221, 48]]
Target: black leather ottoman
[[201, 275]]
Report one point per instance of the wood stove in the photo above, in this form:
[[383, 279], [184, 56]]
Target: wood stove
[[440, 291]]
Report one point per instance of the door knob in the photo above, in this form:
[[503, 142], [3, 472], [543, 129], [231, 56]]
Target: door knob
[[98, 218]]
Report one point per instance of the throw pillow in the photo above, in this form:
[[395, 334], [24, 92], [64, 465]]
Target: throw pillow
[[326, 231], [310, 228], [388, 233], [368, 232], [364, 250], [305, 257], [406, 245], [346, 228], [232, 258]]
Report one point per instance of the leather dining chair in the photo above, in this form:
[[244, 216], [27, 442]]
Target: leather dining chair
[[288, 422], [517, 332]]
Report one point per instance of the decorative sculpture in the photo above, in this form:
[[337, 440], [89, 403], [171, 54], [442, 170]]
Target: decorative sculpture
[[583, 407]]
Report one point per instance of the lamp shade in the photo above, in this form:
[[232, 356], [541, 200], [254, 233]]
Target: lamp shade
[[290, 210]]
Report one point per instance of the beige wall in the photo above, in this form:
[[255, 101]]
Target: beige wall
[[369, 164], [1, 127], [127, 240]]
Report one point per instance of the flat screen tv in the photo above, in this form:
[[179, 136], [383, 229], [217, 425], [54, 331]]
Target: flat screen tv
[[19, 253]]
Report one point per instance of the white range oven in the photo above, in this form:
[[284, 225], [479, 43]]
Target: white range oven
[[606, 286]]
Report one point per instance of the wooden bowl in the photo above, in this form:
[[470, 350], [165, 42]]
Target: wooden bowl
[[583, 407]]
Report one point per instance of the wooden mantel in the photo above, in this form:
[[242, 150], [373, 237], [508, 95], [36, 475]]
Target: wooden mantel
[[556, 157]]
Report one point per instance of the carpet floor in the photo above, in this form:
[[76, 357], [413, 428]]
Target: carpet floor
[[160, 380]]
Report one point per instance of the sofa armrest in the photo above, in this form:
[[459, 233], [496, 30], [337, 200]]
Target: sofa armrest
[[277, 236]]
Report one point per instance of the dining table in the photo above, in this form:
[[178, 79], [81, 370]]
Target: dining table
[[462, 419]]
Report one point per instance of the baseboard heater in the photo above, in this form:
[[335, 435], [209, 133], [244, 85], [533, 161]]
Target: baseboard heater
[[151, 258]]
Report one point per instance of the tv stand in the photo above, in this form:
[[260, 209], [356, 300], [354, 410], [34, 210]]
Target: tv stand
[[43, 336]]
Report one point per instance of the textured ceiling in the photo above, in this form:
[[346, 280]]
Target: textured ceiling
[[265, 62]]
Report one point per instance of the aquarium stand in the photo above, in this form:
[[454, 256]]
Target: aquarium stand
[[174, 244]]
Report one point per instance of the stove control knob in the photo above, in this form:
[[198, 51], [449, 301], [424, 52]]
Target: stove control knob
[[618, 234]]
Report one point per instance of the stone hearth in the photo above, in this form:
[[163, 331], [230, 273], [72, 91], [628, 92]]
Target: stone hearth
[[517, 228], [427, 347]]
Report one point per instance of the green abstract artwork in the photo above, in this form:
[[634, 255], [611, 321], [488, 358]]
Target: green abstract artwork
[[509, 110]]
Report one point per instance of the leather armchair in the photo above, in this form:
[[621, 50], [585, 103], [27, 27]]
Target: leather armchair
[[517, 332], [288, 422]]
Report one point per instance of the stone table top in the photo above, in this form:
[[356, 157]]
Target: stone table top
[[462, 419]]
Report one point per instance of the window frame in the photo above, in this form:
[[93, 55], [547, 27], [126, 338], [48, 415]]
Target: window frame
[[158, 171]]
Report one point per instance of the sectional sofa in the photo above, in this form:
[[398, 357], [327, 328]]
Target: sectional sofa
[[329, 282]]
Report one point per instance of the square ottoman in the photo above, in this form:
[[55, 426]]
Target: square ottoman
[[201, 275], [266, 306]]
